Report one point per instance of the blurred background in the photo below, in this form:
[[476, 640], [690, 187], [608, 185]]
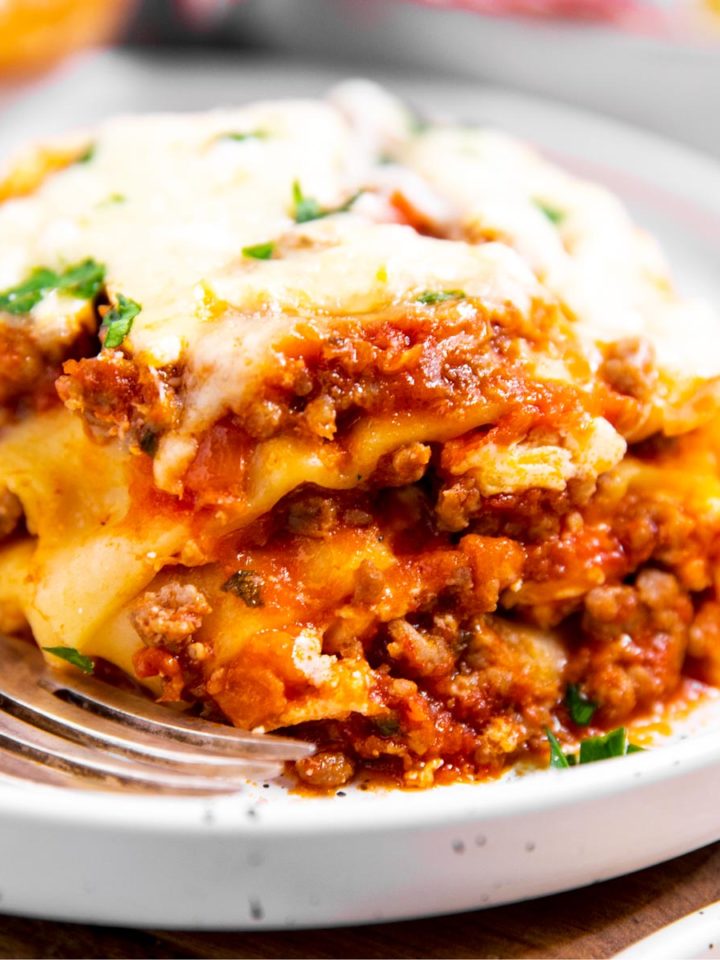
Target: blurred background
[[652, 63]]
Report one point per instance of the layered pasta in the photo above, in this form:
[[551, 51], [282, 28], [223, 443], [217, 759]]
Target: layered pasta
[[384, 434]]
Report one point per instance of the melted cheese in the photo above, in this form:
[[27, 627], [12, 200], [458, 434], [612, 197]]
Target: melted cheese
[[167, 203]]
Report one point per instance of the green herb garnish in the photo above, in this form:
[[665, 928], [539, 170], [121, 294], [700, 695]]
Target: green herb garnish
[[84, 280], [552, 213], [240, 136], [149, 442], [70, 655], [307, 208], [118, 321], [87, 155], [80, 280], [247, 585], [603, 747], [23, 297], [261, 251], [557, 757], [581, 708], [439, 296], [387, 726]]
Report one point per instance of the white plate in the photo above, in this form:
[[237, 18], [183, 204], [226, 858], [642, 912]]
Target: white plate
[[644, 79], [270, 859], [694, 937]]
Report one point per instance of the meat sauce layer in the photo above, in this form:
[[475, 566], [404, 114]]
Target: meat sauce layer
[[467, 641]]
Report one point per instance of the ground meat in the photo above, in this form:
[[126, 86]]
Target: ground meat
[[405, 465], [320, 417], [263, 418], [629, 370], [10, 513], [312, 517], [105, 390], [422, 654], [294, 376], [612, 610], [369, 584], [168, 617], [413, 357], [704, 645], [638, 636], [158, 662], [497, 565], [440, 573], [22, 364], [629, 367], [325, 771], [114, 394], [457, 503], [341, 639]]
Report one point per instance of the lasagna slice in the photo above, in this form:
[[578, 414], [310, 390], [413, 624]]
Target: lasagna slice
[[319, 421]]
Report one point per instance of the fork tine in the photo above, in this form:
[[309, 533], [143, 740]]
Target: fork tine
[[21, 696], [141, 714], [72, 722], [105, 701], [14, 766], [30, 743]]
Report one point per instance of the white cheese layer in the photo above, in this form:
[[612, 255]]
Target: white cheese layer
[[576, 236], [167, 203]]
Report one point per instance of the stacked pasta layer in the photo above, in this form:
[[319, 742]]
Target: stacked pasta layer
[[319, 418]]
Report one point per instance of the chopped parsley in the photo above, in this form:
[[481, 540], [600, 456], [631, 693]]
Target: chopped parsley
[[70, 655], [306, 209], [557, 757], [149, 442], [82, 280], [581, 708], [439, 296], [241, 135], [23, 297], [247, 585], [387, 726], [260, 251], [87, 155], [552, 213], [118, 321], [603, 747]]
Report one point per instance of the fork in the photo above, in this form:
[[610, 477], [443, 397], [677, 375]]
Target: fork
[[76, 731]]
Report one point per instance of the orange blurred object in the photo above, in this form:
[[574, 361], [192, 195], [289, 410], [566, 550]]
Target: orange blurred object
[[36, 34]]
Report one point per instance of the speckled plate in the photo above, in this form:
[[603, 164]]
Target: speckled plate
[[267, 858], [694, 937]]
